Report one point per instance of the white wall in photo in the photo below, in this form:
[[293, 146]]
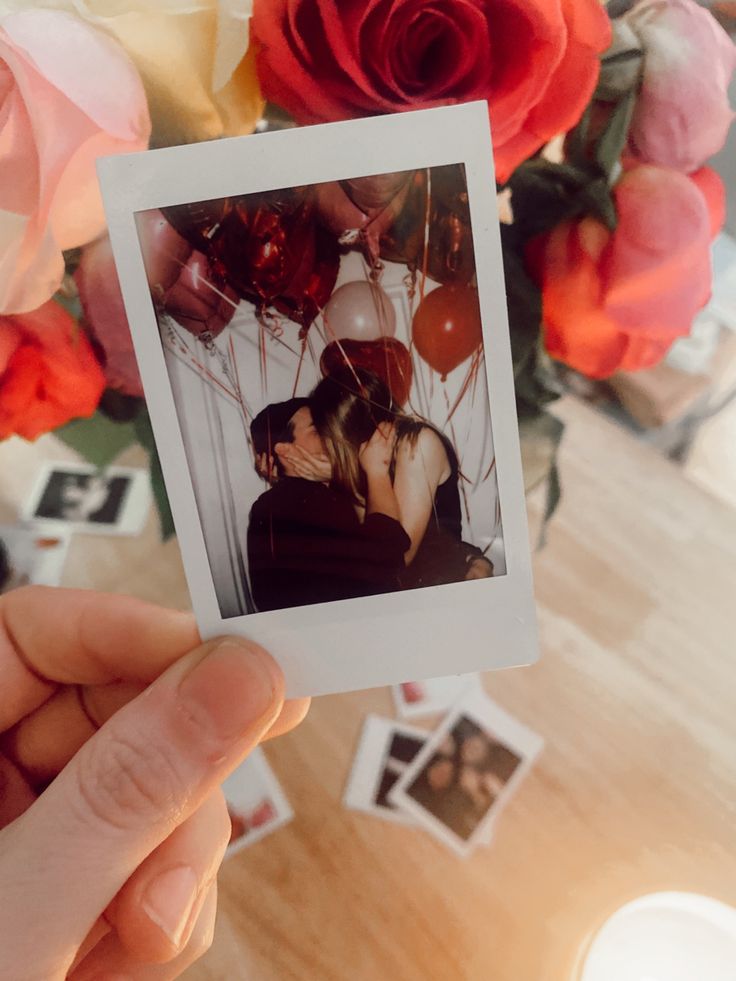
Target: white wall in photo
[[215, 431]]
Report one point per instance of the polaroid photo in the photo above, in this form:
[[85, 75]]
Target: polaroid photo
[[255, 801], [385, 750], [31, 556], [114, 501], [319, 318], [414, 699], [466, 773]]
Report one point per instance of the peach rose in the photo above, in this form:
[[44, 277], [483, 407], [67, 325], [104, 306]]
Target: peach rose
[[193, 58], [48, 372], [616, 301], [69, 95]]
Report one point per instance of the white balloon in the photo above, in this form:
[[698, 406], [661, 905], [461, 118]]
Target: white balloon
[[359, 311]]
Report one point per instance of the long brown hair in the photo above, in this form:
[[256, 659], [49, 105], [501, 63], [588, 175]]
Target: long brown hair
[[347, 408]]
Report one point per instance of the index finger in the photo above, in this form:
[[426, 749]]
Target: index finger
[[51, 636]]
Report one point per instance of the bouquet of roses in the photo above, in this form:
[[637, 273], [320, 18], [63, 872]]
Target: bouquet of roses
[[603, 118]]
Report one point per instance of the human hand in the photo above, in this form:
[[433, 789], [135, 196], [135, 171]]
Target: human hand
[[266, 467], [118, 727], [479, 567], [375, 455], [298, 462]]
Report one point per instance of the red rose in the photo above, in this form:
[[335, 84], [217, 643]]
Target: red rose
[[48, 372], [535, 61], [615, 301]]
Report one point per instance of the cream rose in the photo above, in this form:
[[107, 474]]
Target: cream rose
[[192, 56]]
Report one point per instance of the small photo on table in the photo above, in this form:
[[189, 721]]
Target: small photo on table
[[417, 698], [31, 556], [115, 501], [385, 750], [466, 772], [256, 802]]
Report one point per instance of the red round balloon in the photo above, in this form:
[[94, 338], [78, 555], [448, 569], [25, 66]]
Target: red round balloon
[[387, 358], [373, 194], [164, 250], [447, 327], [200, 300]]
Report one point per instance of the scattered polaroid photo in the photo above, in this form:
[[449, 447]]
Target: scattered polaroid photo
[[385, 750], [31, 555], [414, 699], [255, 801], [115, 501], [289, 294], [464, 775]]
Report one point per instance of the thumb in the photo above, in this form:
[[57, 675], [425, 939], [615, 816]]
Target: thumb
[[146, 770]]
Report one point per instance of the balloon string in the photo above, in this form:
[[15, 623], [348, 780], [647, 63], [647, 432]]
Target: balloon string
[[425, 256], [232, 303], [471, 374], [457, 455], [299, 366], [192, 361]]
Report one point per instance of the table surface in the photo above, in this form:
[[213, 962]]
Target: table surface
[[634, 792]]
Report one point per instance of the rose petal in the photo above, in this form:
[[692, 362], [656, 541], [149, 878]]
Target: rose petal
[[88, 54]]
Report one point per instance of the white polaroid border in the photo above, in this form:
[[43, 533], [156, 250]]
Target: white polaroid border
[[369, 764], [43, 553], [377, 640], [135, 509], [253, 779], [438, 695], [512, 733]]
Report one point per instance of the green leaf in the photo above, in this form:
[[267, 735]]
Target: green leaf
[[98, 439], [541, 434], [545, 194], [145, 435], [612, 142]]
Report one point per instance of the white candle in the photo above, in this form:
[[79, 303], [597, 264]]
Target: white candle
[[668, 936]]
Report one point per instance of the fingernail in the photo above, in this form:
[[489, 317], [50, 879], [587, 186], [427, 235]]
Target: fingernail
[[233, 689], [169, 899]]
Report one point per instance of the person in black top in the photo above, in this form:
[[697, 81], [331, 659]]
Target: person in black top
[[347, 406], [306, 541]]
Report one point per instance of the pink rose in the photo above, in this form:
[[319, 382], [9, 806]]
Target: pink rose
[[69, 95], [102, 301], [616, 301], [683, 114]]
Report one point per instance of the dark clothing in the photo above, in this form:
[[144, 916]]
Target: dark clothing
[[442, 556], [306, 545]]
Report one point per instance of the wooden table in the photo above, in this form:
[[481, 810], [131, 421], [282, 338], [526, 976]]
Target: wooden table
[[634, 792]]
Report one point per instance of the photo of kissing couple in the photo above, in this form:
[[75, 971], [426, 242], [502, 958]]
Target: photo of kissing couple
[[324, 348], [363, 498]]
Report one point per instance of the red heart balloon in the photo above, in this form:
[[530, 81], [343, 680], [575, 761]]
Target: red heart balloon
[[262, 242], [198, 221], [447, 327], [387, 358], [314, 281]]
